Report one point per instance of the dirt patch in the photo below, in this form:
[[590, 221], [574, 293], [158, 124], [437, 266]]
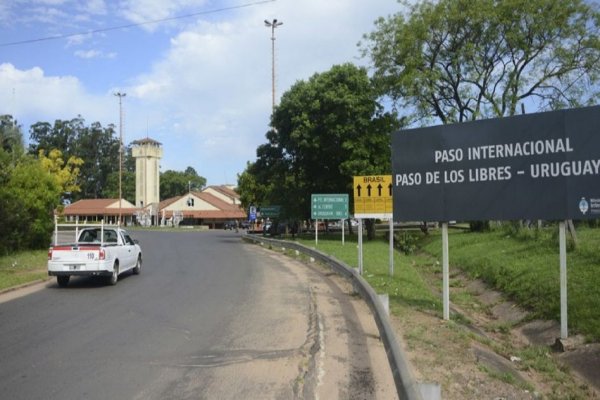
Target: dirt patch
[[490, 349]]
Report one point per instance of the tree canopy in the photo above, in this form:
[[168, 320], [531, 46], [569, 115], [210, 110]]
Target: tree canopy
[[29, 192], [66, 174], [97, 146], [460, 60], [324, 131], [177, 183]]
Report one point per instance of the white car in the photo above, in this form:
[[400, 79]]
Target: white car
[[98, 251]]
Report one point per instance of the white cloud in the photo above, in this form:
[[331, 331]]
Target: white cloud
[[94, 7], [89, 54], [33, 96], [50, 2]]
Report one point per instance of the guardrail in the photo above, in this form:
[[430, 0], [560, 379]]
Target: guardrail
[[406, 385]]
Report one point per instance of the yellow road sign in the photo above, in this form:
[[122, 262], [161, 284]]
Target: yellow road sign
[[373, 196]]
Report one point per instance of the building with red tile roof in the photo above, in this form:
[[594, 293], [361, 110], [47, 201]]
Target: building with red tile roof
[[212, 207], [96, 210]]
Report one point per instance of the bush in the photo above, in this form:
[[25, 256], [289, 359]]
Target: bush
[[406, 242]]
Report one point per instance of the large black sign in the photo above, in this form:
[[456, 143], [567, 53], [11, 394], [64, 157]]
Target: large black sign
[[534, 166]]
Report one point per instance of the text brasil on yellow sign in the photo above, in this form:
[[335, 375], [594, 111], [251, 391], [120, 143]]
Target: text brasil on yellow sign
[[373, 196]]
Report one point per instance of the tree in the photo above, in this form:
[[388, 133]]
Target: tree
[[11, 138], [62, 136], [325, 131], [30, 196], [11, 152], [99, 148], [66, 174], [460, 60], [96, 145], [28, 192], [111, 190], [177, 183]]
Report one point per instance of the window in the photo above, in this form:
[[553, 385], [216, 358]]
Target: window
[[110, 236], [128, 239]]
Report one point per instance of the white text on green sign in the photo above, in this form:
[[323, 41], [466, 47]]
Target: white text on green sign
[[329, 206]]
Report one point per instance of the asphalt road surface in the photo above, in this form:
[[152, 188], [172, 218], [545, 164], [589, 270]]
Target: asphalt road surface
[[209, 317]]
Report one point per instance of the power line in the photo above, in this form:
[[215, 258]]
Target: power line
[[114, 28]]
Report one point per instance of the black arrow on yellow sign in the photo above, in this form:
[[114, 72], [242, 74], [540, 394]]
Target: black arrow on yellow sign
[[369, 190], [358, 189], [390, 188], [379, 187]]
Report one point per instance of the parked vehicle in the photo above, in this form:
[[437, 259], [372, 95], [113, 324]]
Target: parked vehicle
[[231, 225], [98, 250]]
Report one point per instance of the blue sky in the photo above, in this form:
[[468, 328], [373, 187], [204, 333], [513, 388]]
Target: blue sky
[[199, 85]]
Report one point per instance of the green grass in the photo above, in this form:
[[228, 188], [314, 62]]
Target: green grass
[[523, 265], [23, 267], [406, 287]]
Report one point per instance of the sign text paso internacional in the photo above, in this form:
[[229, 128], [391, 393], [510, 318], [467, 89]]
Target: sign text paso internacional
[[534, 166]]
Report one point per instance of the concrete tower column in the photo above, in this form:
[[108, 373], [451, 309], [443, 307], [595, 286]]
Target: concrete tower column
[[147, 153]]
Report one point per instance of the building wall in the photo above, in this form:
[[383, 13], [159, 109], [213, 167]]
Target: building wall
[[182, 205]]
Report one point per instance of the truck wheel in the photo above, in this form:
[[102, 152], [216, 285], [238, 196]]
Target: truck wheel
[[114, 277], [63, 280], [138, 266]]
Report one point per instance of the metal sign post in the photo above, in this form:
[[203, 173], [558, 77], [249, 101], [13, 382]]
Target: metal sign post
[[342, 222], [445, 272], [563, 280], [316, 232], [360, 246], [391, 247]]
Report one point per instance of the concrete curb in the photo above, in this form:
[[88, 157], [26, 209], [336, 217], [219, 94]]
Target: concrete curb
[[406, 385], [22, 286]]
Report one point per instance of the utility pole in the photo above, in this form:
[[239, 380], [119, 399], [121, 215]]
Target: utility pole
[[120, 96], [274, 24]]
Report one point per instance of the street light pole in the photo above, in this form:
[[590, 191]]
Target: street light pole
[[120, 96], [274, 24]]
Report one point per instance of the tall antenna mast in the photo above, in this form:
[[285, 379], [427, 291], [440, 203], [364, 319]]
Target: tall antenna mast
[[120, 96]]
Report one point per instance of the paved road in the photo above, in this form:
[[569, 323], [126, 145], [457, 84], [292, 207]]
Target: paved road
[[208, 318]]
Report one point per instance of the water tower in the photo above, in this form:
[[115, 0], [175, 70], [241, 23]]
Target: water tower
[[147, 153]]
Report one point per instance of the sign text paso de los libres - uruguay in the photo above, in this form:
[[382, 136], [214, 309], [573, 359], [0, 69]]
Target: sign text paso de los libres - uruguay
[[544, 165]]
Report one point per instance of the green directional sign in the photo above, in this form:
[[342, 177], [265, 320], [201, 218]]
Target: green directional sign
[[329, 206], [270, 211]]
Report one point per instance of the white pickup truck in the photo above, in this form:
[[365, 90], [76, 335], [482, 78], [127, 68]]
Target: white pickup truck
[[99, 250]]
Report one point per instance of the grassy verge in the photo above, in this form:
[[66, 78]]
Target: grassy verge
[[23, 267], [524, 265], [405, 288]]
